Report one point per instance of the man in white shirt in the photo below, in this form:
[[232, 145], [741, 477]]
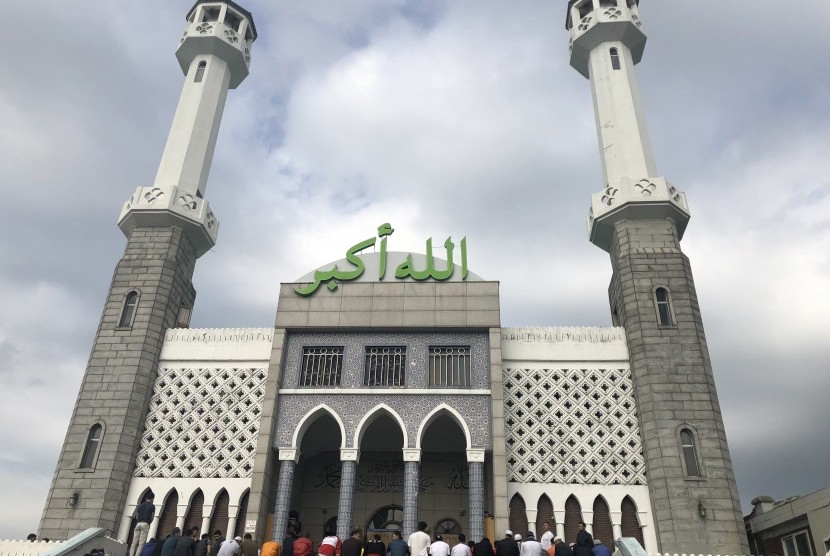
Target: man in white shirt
[[419, 541], [439, 547], [547, 536], [531, 547], [461, 549], [230, 547]]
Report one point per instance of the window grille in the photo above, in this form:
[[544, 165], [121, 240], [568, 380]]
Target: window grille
[[93, 441], [663, 307], [687, 443], [321, 366], [797, 545], [449, 366], [385, 366], [128, 310]]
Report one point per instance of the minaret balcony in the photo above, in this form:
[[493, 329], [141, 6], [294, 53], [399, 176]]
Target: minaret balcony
[[156, 206], [610, 23], [648, 198], [220, 31]]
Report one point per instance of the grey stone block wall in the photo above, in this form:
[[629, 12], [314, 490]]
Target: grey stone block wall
[[118, 383], [674, 388]]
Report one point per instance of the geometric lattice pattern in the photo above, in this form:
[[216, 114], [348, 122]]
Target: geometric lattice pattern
[[202, 423], [572, 426]]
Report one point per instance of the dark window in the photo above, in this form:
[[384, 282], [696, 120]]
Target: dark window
[[797, 545], [210, 13], [449, 366], [321, 366], [615, 59], [93, 442], [232, 20], [200, 72], [585, 8], [663, 299], [385, 366], [128, 311], [687, 443], [608, 3]]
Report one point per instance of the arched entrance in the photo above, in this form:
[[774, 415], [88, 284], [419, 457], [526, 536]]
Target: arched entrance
[[384, 521], [444, 498]]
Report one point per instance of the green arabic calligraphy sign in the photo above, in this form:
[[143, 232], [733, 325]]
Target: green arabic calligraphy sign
[[407, 269]]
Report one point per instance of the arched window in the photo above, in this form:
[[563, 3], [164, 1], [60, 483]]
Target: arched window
[[128, 311], [386, 518], [615, 59], [200, 72], [687, 445], [517, 513], [93, 443], [662, 299], [447, 526]]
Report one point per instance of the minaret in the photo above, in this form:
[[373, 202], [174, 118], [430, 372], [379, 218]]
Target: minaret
[[639, 219], [168, 225]]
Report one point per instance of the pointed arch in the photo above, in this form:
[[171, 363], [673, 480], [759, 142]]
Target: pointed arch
[[544, 512], [309, 419], [370, 417], [195, 510], [242, 515], [133, 521], [630, 520], [219, 516], [167, 517], [444, 409], [603, 530], [517, 517], [573, 515]]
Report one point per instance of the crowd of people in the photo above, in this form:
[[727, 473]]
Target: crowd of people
[[419, 543]]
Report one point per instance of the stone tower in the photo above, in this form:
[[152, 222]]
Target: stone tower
[[639, 219], [168, 225]]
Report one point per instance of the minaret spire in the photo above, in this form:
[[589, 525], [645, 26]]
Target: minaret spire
[[607, 40], [215, 54], [639, 219]]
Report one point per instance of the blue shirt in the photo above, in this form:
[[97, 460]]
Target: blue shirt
[[398, 547]]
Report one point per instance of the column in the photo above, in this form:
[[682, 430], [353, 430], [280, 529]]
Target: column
[[208, 512], [233, 513], [154, 526], [348, 473], [616, 525], [559, 517], [288, 462], [411, 487], [475, 462], [181, 512], [531, 522], [126, 521]]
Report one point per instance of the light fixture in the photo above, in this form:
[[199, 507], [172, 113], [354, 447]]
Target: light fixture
[[73, 500], [701, 509]]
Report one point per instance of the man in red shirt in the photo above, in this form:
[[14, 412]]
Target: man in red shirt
[[331, 545]]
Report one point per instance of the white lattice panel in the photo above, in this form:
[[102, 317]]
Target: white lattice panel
[[572, 426], [202, 423]]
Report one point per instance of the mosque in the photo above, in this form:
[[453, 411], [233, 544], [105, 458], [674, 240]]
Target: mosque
[[387, 392]]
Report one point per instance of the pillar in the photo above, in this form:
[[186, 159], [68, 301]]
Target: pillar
[[559, 517], [154, 526], [588, 518], [348, 474], [475, 462], [208, 512], [411, 486], [288, 462], [233, 513], [616, 525]]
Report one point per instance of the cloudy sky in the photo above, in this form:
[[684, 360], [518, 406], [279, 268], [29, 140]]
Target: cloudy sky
[[443, 118]]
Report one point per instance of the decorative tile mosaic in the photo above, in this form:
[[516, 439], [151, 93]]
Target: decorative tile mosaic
[[202, 423], [572, 426]]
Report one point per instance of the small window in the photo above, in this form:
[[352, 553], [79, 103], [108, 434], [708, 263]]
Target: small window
[[687, 444], [321, 366], [449, 366], [233, 20], [797, 544], [200, 72], [608, 3], [93, 443], [664, 310], [128, 311], [385, 366], [183, 318], [211, 13], [585, 8], [615, 59]]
